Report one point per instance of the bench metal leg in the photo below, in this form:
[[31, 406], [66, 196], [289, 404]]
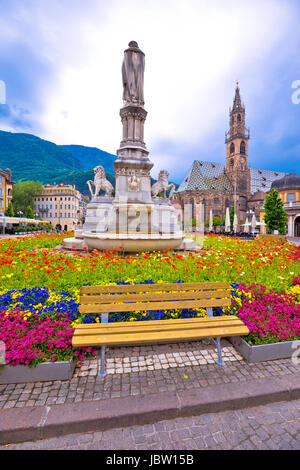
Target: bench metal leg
[[220, 360], [102, 371], [209, 313], [101, 366]]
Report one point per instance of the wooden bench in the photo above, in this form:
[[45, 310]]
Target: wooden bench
[[132, 298]]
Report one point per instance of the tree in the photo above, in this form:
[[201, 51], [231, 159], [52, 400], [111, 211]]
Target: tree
[[231, 214], [29, 213], [275, 216], [23, 195], [9, 212], [217, 221]]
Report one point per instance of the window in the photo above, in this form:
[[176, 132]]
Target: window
[[216, 201], [232, 119], [291, 197], [232, 162], [232, 148], [239, 118], [243, 148]]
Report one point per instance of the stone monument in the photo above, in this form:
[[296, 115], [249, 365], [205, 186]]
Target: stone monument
[[132, 217]]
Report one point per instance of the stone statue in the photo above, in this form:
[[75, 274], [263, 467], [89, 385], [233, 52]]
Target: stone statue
[[162, 185], [133, 74], [100, 182], [134, 183]]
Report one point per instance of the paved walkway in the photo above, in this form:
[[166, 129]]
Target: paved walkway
[[146, 370], [274, 426]]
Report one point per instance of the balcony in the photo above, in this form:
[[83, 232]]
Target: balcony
[[240, 135], [292, 205]]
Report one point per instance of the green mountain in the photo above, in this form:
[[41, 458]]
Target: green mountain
[[90, 157], [32, 158]]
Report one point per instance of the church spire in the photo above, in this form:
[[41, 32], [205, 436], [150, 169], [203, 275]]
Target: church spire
[[237, 138], [237, 103]]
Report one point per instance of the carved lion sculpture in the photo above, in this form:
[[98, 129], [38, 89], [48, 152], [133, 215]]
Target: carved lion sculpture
[[162, 185], [100, 182]]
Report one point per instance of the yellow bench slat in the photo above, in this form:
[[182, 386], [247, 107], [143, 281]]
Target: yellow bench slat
[[157, 337], [141, 324], [154, 296], [135, 307], [166, 325], [102, 289]]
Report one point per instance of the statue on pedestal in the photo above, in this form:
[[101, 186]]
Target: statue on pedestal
[[162, 185], [100, 183], [133, 74]]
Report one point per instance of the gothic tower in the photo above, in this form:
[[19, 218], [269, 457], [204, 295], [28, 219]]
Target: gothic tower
[[237, 168]]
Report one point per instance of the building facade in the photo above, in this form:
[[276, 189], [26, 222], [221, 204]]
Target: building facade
[[5, 189], [289, 191], [219, 186], [61, 205]]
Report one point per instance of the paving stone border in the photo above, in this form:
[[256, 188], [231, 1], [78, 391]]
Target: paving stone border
[[172, 376], [34, 423]]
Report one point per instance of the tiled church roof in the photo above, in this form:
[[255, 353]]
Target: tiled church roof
[[212, 176], [261, 180]]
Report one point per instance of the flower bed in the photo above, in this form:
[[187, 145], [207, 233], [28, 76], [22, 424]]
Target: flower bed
[[271, 317], [39, 291], [32, 338], [32, 262]]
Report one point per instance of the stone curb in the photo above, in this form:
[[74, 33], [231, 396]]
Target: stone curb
[[34, 423]]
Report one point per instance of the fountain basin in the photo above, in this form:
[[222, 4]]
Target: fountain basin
[[132, 242]]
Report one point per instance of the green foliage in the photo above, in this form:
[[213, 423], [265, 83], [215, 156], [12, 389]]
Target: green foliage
[[275, 216], [29, 213], [23, 195], [90, 157], [9, 212], [31, 158], [217, 221]]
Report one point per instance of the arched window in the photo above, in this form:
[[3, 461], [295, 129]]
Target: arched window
[[232, 162], [232, 148], [239, 118], [216, 201], [243, 148]]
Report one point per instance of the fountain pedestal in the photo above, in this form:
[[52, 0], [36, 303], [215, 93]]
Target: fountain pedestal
[[135, 219]]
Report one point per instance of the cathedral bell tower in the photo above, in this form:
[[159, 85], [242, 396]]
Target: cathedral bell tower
[[237, 168]]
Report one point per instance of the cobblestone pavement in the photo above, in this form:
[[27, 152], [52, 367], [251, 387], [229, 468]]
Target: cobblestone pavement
[[274, 426], [145, 370]]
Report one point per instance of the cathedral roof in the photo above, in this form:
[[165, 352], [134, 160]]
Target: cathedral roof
[[261, 180], [206, 176], [211, 176]]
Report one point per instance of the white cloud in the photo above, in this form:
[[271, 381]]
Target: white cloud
[[195, 51]]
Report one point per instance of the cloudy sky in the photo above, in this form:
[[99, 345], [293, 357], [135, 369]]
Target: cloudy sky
[[61, 62]]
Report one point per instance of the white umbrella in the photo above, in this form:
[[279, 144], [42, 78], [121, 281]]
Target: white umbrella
[[210, 221], [253, 223], [246, 226], [235, 223], [227, 221]]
